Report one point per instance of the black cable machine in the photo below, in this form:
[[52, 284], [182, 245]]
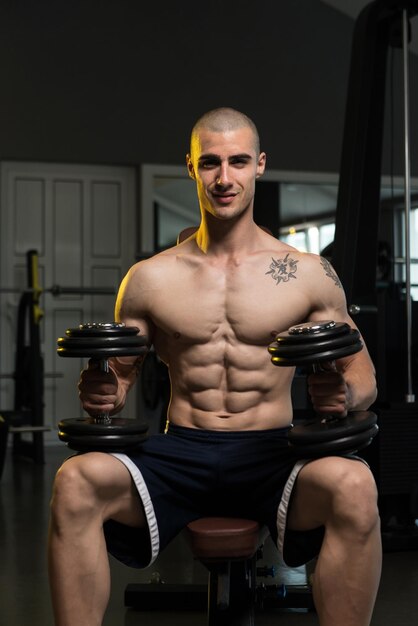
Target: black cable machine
[[384, 312]]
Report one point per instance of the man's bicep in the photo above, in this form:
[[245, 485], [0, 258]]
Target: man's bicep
[[143, 323], [132, 307], [330, 303], [326, 293]]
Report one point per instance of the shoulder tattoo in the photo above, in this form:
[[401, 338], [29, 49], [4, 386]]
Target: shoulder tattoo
[[282, 270], [330, 272]]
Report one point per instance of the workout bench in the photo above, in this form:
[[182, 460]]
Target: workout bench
[[229, 548]]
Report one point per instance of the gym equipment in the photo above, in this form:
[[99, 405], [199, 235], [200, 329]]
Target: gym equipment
[[311, 344], [100, 341], [60, 290], [409, 396], [224, 546], [229, 548], [27, 414], [381, 34], [380, 27]]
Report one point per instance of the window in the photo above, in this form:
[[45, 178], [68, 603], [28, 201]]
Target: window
[[313, 238], [400, 252]]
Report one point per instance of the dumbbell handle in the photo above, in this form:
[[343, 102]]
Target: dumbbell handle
[[104, 365], [103, 418], [318, 368]]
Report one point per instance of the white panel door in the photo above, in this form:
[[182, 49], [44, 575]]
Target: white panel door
[[82, 222]]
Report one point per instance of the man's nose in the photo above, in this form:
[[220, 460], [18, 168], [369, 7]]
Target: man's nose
[[223, 176]]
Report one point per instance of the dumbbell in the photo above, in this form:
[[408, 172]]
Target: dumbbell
[[100, 341], [310, 345]]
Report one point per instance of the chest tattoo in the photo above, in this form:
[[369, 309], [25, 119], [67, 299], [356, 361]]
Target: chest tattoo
[[282, 270], [330, 272]]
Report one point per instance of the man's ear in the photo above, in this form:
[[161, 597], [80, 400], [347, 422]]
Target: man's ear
[[261, 164], [190, 167]]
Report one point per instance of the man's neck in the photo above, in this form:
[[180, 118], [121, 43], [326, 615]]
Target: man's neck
[[227, 238]]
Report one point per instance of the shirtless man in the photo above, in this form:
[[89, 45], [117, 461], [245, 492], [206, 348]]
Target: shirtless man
[[211, 306]]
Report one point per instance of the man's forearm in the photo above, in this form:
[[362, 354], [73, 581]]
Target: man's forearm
[[127, 371]]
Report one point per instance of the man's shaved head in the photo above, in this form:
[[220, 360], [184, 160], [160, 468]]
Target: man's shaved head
[[222, 120]]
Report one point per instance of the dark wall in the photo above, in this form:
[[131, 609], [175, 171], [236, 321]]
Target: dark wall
[[122, 81]]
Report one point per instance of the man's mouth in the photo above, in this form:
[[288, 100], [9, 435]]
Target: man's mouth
[[224, 198]]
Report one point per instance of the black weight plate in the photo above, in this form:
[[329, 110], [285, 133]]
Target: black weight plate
[[101, 353], [317, 357], [311, 327], [317, 430], [343, 445], [338, 329], [85, 330], [289, 350], [109, 443], [68, 346], [69, 343], [87, 426]]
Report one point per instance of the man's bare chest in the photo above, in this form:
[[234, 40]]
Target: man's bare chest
[[243, 303]]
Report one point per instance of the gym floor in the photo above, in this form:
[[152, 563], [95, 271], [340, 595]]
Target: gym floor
[[24, 596]]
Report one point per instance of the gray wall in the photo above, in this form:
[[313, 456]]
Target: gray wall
[[122, 81]]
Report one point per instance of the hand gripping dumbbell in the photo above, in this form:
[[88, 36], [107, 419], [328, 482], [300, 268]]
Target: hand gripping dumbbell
[[102, 432], [313, 344]]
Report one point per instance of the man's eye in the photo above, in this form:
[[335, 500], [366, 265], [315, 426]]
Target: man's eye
[[208, 164]]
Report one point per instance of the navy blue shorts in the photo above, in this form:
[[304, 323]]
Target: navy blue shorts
[[191, 473]]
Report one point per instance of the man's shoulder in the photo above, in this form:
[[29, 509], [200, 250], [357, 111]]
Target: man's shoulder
[[151, 267], [280, 250]]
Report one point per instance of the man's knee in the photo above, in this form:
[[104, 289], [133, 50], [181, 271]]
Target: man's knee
[[335, 492], [74, 488], [354, 502], [95, 487]]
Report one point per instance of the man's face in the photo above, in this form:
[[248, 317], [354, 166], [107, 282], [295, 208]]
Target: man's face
[[225, 166]]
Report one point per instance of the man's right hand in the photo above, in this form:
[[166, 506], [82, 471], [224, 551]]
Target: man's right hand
[[97, 389]]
